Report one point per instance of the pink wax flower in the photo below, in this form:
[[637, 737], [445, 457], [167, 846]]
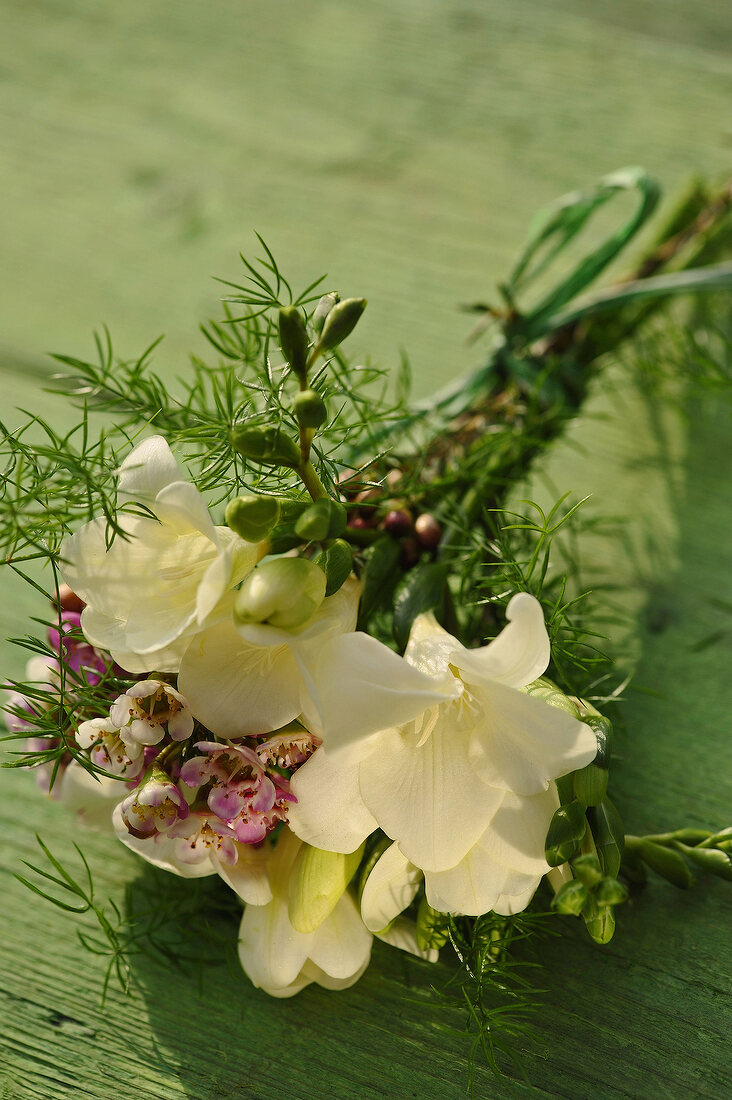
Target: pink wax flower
[[200, 836], [153, 807], [241, 794]]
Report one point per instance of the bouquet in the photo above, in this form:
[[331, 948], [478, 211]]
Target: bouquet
[[300, 639]]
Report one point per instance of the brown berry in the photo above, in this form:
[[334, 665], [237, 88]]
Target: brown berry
[[398, 523], [68, 600], [428, 531]]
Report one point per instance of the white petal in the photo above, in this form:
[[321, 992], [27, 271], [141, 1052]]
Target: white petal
[[518, 655], [236, 688], [312, 973], [403, 934], [517, 832], [91, 798], [146, 470], [429, 799], [237, 558], [522, 743], [357, 686], [390, 888], [508, 904], [329, 812], [248, 877], [474, 885], [430, 648], [341, 945], [181, 507], [159, 851]]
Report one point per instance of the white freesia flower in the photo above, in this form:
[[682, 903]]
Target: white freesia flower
[[254, 677], [466, 789], [163, 578], [281, 960]]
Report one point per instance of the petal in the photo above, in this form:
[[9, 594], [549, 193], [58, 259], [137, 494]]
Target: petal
[[330, 812], [430, 798], [474, 885], [522, 743], [518, 655], [181, 507], [236, 560], [160, 851], [341, 945], [91, 798], [508, 904], [236, 688], [518, 829], [248, 877], [312, 973], [430, 648], [390, 888], [403, 934], [357, 686], [180, 725], [146, 471]]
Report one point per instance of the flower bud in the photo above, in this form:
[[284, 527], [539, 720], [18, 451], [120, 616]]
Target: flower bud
[[268, 446], [340, 322], [590, 784], [310, 409], [322, 310], [667, 863], [317, 882], [294, 339], [608, 834], [712, 860], [587, 869], [314, 523], [566, 832], [284, 592], [546, 690], [599, 921], [610, 892], [603, 731], [571, 898], [432, 927], [337, 563], [253, 517]]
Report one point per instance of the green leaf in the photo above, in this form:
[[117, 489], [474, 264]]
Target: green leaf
[[380, 578], [336, 562], [423, 590]]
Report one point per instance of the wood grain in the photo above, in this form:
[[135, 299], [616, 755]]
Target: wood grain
[[403, 146]]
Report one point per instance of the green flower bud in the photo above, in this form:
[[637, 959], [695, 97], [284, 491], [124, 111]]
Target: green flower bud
[[310, 409], [603, 731], [370, 862], [566, 832], [252, 518], [432, 927], [548, 692], [692, 836], [322, 310], [294, 339], [314, 523], [340, 322], [667, 863], [610, 892], [587, 869], [590, 784], [338, 519], [599, 921], [571, 899], [285, 592], [608, 834], [337, 563], [269, 446], [713, 860], [318, 881]]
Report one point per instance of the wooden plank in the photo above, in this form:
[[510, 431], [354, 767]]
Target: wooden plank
[[404, 146]]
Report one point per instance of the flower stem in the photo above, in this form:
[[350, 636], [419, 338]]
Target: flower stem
[[312, 482]]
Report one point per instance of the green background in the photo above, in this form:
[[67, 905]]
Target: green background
[[402, 147]]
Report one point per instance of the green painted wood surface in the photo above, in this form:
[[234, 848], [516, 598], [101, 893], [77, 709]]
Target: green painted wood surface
[[403, 145]]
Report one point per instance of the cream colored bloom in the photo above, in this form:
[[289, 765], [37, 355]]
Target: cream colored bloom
[[281, 960], [165, 577], [466, 789]]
